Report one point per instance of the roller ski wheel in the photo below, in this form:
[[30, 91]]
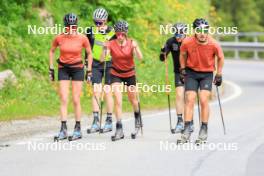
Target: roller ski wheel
[[94, 128], [199, 142], [76, 135], [61, 136], [202, 139], [181, 142]]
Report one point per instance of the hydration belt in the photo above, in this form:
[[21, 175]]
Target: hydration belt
[[68, 65]]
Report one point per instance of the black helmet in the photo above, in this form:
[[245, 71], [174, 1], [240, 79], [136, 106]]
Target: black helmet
[[70, 19], [200, 23], [100, 14], [121, 26], [180, 28]]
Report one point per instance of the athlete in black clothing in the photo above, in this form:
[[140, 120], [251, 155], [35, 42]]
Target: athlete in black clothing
[[172, 46]]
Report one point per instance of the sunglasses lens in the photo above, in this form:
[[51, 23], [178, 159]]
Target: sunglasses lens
[[179, 35], [98, 23], [203, 31]]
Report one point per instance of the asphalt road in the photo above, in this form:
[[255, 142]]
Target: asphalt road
[[240, 152]]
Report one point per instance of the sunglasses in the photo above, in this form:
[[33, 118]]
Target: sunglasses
[[98, 23], [202, 31], [179, 35]]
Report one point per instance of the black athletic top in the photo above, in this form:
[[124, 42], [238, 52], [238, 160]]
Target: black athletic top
[[172, 46]]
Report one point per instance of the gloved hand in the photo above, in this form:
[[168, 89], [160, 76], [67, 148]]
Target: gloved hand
[[51, 74], [218, 80], [88, 76], [182, 74], [162, 54]]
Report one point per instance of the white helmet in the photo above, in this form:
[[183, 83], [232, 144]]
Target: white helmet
[[100, 14]]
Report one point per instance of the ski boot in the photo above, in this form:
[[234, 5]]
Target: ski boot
[[61, 136], [77, 134], [186, 134], [179, 126], [119, 132], [202, 138], [94, 128], [191, 126], [108, 126], [138, 125]]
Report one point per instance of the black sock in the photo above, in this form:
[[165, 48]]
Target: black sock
[[137, 114], [204, 125], [179, 117], [109, 117], [63, 125], [96, 116], [187, 123], [77, 125], [119, 124]]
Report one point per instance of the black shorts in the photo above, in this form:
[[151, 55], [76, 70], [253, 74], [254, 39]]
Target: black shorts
[[98, 72], [130, 81], [74, 74], [195, 80], [177, 80]]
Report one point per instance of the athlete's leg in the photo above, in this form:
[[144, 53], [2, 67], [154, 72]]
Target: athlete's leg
[[190, 97], [76, 95], [117, 90], [64, 93], [179, 99]]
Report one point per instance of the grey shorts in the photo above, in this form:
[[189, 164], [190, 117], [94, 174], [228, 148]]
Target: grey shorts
[[198, 80]]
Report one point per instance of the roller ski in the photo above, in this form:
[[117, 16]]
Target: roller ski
[[138, 125], [202, 138], [77, 134], [186, 134], [94, 128], [108, 126], [119, 132], [61, 136]]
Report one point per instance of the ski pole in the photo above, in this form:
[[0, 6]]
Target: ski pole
[[221, 111], [198, 106], [139, 109], [168, 94], [102, 98]]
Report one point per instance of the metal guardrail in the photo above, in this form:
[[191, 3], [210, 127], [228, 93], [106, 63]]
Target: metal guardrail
[[238, 46]]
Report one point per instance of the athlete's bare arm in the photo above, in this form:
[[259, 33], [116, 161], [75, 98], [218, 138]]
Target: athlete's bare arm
[[220, 64], [183, 58], [89, 57], [136, 50]]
